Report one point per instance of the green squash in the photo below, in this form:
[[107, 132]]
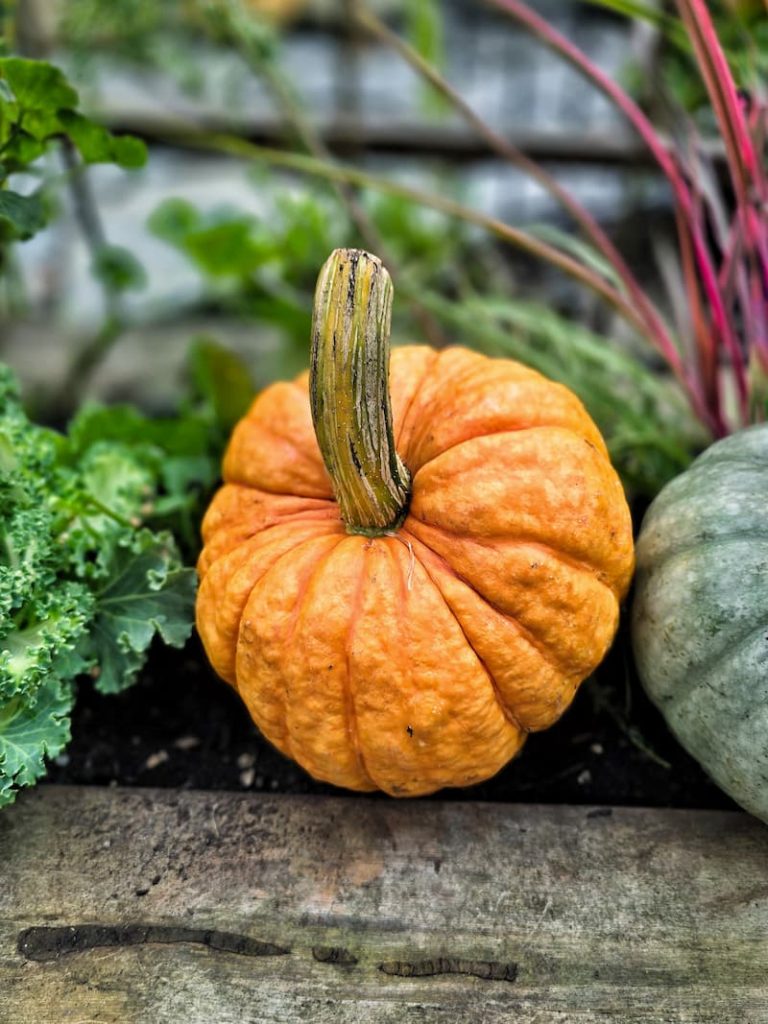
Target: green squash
[[700, 614]]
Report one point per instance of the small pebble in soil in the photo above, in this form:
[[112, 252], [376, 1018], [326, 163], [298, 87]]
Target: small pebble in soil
[[247, 777], [584, 778], [62, 760], [186, 742], [246, 761], [597, 748], [155, 760]]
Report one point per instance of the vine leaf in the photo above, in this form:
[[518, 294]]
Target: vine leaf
[[21, 216], [30, 733], [146, 595]]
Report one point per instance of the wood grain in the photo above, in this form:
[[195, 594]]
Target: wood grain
[[133, 906]]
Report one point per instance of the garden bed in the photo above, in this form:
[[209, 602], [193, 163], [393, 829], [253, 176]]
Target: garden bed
[[125, 906], [295, 901], [182, 727]]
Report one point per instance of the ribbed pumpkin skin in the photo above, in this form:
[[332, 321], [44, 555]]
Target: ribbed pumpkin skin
[[700, 613], [421, 660]]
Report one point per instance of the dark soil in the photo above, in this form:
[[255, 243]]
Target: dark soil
[[180, 726]]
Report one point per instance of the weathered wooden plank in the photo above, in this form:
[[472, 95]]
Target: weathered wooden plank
[[133, 906]]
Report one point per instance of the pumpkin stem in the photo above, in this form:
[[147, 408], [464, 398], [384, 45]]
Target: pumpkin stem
[[349, 392]]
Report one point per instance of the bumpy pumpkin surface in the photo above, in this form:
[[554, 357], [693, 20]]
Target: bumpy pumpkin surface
[[422, 659], [700, 613]]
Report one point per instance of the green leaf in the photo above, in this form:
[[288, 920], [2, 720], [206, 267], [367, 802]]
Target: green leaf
[[126, 425], [581, 250], [84, 586], [31, 651], [98, 145], [41, 124], [21, 216], [147, 594], [222, 379], [119, 269], [93, 141], [180, 454], [37, 85], [641, 10], [221, 243], [8, 460], [29, 733], [173, 219], [227, 249], [128, 152], [116, 478], [20, 151]]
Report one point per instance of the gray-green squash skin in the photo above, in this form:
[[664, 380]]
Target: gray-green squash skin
[[700, 612]]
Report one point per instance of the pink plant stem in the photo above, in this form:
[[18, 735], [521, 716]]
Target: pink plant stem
[[758, 227], [723, 326], [757, 231], [695, 225], [722, 92], [754, 221], [746, 168], [731, 252], [758, 317], [705, 348], [551, 37], [736, 277]]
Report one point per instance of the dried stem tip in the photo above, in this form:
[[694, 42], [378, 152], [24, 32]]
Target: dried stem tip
[[349, 392]]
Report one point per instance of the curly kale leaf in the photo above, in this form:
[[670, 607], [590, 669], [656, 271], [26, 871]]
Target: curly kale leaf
[[37, 639], [30, 732], [181, 454], [86, 580], [147, 593]]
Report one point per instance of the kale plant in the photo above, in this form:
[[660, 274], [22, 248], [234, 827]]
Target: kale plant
[[87, 576]]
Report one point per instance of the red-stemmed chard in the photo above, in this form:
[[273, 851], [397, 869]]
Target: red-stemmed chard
[[724, 266]]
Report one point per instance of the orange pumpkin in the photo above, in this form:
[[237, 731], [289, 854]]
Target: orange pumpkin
[[403, 621]]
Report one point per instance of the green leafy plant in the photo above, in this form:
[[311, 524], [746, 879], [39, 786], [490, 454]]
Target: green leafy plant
[[87, 579], [742, 28], [94, 528], [643, 416], [37, 107], [98, 525], [39, 112]]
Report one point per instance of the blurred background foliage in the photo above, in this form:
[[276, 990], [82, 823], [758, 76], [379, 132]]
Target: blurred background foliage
[[742, 26], [219, 284]]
